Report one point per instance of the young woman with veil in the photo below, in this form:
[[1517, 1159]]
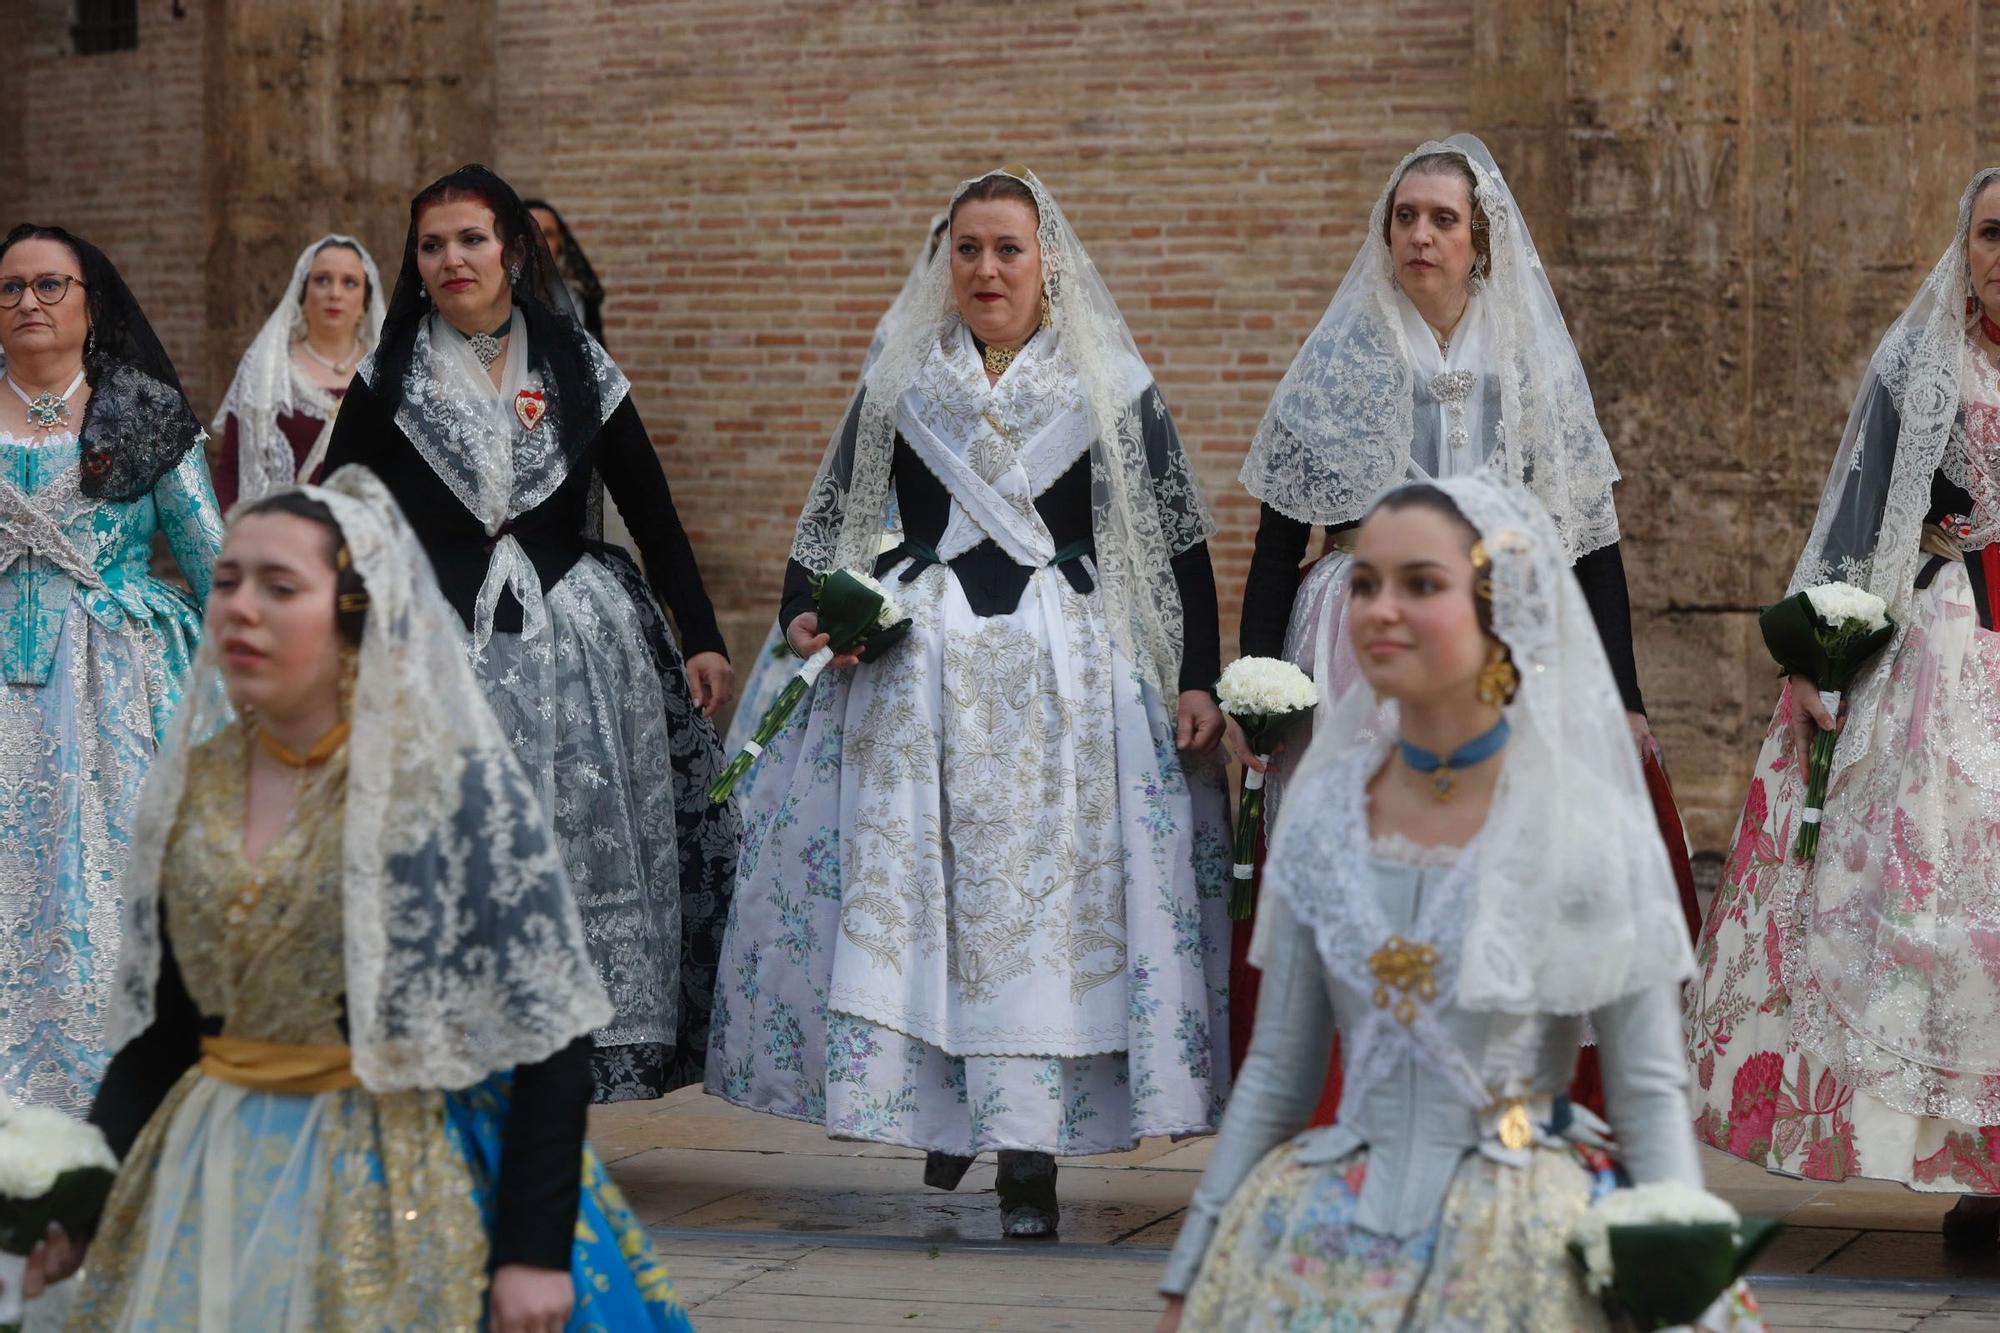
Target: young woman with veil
[[1442, 351], [354, 1009], [981, 901], [274, 421], [1847, 1016], [494, 419], [1468, 866], [775, 661], [99, 454]]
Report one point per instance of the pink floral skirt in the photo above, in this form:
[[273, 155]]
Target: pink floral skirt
[[1791, 1022]]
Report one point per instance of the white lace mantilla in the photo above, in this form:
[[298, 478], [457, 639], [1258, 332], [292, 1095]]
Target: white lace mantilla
[[1146, 505], [1569, 895], [1868, 530], [269, 383], [1369, 402], [465, 954]]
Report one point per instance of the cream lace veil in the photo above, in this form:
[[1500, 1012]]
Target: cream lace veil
[[1339, 429], [266, 386], [1568, 902], [465, 952], [1146, 506], [1871, 514]]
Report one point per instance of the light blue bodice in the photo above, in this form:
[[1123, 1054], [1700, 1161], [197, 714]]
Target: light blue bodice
[[40, 585]]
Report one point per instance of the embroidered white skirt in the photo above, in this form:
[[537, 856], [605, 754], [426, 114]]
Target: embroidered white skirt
[[980, 903]]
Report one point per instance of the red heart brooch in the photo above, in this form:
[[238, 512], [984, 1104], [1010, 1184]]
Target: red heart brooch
[[530, 406]]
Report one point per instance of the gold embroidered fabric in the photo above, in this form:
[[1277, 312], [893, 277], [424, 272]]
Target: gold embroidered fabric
[[347, 1210], [259, 944]]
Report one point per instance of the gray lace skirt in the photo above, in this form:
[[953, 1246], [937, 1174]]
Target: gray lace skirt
[[599, 711]]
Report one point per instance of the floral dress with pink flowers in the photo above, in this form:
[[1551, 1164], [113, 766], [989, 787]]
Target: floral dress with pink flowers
[[1845, 1006]]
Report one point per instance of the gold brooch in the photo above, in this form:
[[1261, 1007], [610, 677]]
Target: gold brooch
[[1407, 968], [1516, 1131], [998, 358]]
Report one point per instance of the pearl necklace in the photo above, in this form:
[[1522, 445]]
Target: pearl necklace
[[337, 367]]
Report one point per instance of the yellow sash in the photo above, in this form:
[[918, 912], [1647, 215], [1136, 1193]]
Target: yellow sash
[[272, 1066]]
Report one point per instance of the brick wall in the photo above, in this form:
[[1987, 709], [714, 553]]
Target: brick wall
[[110, 147], [1732, 201], [752, 180]]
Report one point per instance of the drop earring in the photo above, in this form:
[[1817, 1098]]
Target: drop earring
[[514, 271], [1498, 680], [350, 672]]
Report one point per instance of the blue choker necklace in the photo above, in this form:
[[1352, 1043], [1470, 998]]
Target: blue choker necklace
[[1440, 768]]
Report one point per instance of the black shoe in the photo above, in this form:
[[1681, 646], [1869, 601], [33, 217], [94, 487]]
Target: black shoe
[[1973, 1223], [1027, 1186], [943, 1171]]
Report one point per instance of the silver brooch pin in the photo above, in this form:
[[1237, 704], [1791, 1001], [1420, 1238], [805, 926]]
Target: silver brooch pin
[[1452, 388]]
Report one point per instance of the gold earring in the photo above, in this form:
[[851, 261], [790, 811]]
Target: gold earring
[[1498, 680], [1482, 565], [1046, 320], [350, 672]]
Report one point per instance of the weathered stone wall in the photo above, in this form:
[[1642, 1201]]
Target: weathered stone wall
[[1742, 196], [326, 116], [1733, 197]]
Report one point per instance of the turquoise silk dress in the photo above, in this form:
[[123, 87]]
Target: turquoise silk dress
[[92, 651]]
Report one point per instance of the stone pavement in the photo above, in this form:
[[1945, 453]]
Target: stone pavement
[[770, 1225]]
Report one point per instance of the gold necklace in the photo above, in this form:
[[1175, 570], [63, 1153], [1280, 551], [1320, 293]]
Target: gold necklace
[[326, 747], [998, 358], [308, 769]]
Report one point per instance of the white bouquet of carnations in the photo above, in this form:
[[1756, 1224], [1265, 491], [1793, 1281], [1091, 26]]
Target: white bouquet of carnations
[[53, 1169], [1664, 1251], [1826, 634], [855, 613], [1263, 694]]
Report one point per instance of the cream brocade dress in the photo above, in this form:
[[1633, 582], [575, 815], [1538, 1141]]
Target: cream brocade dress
[[343, 1210]]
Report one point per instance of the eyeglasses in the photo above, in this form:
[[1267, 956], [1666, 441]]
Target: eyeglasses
[[49, 289]]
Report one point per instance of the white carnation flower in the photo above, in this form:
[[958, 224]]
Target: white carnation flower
[[890, 612], [1250, 686], [1838, 603], [1662, 1201], [38, 1144]]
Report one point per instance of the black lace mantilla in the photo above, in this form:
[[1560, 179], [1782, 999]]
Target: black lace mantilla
[[135, 431]]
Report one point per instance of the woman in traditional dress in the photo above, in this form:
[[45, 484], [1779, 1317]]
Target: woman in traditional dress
[[775, 662], [1451, 892], [281, 405], [981, 901], [99, 452], [354, 1009], [579, 276], [585, 291], [1847, 1017], [1443, 341], [494, 418]]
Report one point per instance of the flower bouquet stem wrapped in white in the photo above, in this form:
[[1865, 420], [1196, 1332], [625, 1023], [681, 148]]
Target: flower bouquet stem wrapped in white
[[53, 1169], [855, 612], [1264, 695], [1827, 634], [1663, 1252]]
